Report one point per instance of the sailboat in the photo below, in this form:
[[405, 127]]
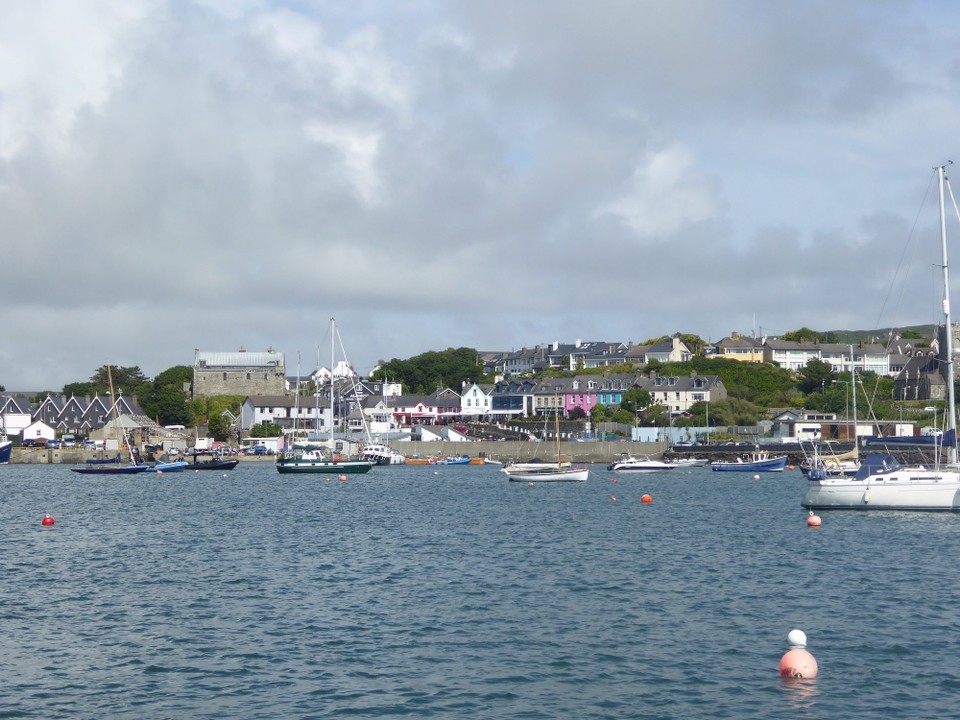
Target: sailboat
[[537, 471], [312, 458], [131, 468], [881, 483]]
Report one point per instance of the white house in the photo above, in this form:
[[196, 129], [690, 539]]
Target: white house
[[38, 429], [474, 402]]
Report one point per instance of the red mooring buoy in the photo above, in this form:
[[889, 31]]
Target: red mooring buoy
[[646, 499], [47, 520], [798, 663]]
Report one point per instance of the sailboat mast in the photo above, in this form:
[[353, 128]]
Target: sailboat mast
[[333, 351], [948, 335], [853, 389]]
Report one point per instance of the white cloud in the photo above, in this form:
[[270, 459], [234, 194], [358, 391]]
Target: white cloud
[[665, 193]]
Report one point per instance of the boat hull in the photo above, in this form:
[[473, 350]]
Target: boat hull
[[214, 465], [351, 467], [112, 469], [776, 464], [933, 492], [175, 466], [649, 466], [6, 451], [541, 476]]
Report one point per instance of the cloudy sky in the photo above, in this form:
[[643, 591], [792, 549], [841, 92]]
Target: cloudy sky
[[218, 174]]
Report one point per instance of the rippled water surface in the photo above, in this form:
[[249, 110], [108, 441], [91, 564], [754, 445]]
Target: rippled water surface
[[451, 593]]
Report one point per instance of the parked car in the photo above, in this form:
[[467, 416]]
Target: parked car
[[54, 444]]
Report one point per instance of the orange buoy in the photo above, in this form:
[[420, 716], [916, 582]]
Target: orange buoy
[[798, 663], [47, 520], [646, 499], [813, 520], [159, 472], [614, 480], [343, 478], [790, 467]]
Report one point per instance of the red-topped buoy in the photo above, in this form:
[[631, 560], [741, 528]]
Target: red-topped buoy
[[797, 663], [343, 478], [47, 520], [646, 499], [813, 520], [614, 480]]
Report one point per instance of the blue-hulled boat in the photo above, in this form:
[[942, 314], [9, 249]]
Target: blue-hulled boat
[[6, 450], [758, 461], [171, 466]]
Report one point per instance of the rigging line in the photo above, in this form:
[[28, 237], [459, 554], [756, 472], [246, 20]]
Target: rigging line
[[903, 254]]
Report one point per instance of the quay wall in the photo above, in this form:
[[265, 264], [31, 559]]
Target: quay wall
[[503, 451], [578, 452]]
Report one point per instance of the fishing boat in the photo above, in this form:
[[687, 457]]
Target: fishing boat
[[462, 460], [881, 483], [537, 471], [642, 465], [312, 458], [757, 461], [134, 467], [6, 451]]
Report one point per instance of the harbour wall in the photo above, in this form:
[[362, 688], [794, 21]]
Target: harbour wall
[[503, 451]]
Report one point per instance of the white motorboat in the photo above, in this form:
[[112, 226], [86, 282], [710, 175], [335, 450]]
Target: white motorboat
[[880, 483], [641, 465], [381, 454]]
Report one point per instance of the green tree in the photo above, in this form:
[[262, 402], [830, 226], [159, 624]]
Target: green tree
[[266, 430], [733, 411], [635, 399], [79, 389], [425, 373], [165, 400], [816, 375], [599, 413], [126, 380], [221, 427]]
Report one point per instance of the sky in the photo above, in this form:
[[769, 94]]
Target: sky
[[224, 174]]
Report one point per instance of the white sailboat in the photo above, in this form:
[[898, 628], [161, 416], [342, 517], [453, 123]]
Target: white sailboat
[[535, 471], [881, 483]]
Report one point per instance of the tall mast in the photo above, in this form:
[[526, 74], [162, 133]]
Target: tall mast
[[853, 389], [333, 351], [948, 335]]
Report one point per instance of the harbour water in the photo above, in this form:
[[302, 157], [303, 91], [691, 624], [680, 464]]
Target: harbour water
[[448, 592]]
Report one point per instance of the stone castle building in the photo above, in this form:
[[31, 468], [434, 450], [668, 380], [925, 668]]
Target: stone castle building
[[238, 373]]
